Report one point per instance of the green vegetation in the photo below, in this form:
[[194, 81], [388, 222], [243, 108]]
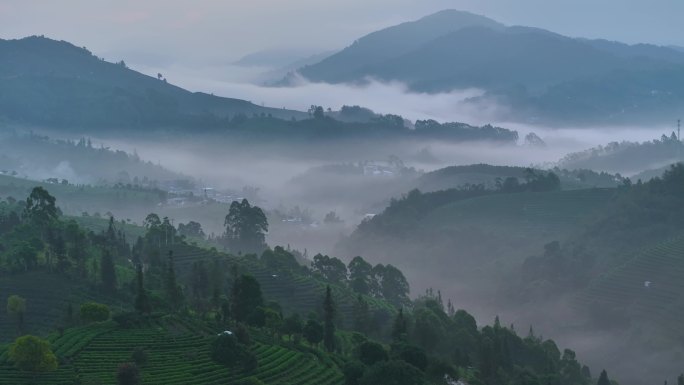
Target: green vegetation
[[57, 84], [200, 316], [32, 354]]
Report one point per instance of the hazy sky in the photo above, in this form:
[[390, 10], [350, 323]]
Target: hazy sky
[[157, 33]]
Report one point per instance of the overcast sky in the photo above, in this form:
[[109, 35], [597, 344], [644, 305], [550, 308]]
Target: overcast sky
[[157, 33]]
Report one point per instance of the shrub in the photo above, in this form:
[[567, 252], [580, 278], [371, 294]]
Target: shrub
[[225, 349], [127, 320], [139, 356], [32, 354], [128, 374], [94, 312], [242, 335], [372, 352]]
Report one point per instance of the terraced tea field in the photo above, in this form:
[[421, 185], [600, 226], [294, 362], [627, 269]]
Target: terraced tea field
[[178, 353], [649, 287], [47, 298], [543, 212]]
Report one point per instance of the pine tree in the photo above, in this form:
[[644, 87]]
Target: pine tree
[[361, 317], [107, 272], [400, 328], [173, 293], [142, 302], [329, 325], [603, 379]]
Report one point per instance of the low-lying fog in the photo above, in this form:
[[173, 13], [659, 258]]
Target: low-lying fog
[[290, 176], [272, 166]]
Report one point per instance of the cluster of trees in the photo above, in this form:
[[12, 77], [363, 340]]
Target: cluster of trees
[[536, 181], [356, 123], [464, 132], [246, 228], [379, 281], [35, 237], [431, 345], [627, 156]]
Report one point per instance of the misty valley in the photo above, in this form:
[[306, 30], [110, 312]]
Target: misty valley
[[447, 200]]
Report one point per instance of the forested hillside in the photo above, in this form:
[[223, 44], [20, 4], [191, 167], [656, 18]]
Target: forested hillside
[[56, 84], [538, 74], [160, 310]]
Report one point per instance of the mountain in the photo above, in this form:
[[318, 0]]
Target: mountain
[[392, 42], [277, 58], [48, 82], [676, 48], [540, 75]]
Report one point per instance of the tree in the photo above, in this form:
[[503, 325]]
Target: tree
[[108, 272], [16, 306], [393, 285], [329, 318], [152, 221], [400, 327], [23, 255], [371, 352], [273, 321], [40, 207], [292, 325], [361, 315], [313, 332], [142, 301], [200, 280], [680, 379], [360, 273], [246, 297], [410, 354], [174, 294], [332, 218], [191, 229], [139, 356], [225, 349], [76, 239], [331, 269], [353, 371], [246, 227], [128, 374], [316, 112], [32, 354], [603, 379], [94, 312], [279, 259]]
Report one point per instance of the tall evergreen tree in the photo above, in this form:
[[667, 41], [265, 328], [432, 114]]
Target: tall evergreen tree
[[603, 379], [107, 271], [329, 324], [142, 302], [173, 292], [361, 315], [400, 328]]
